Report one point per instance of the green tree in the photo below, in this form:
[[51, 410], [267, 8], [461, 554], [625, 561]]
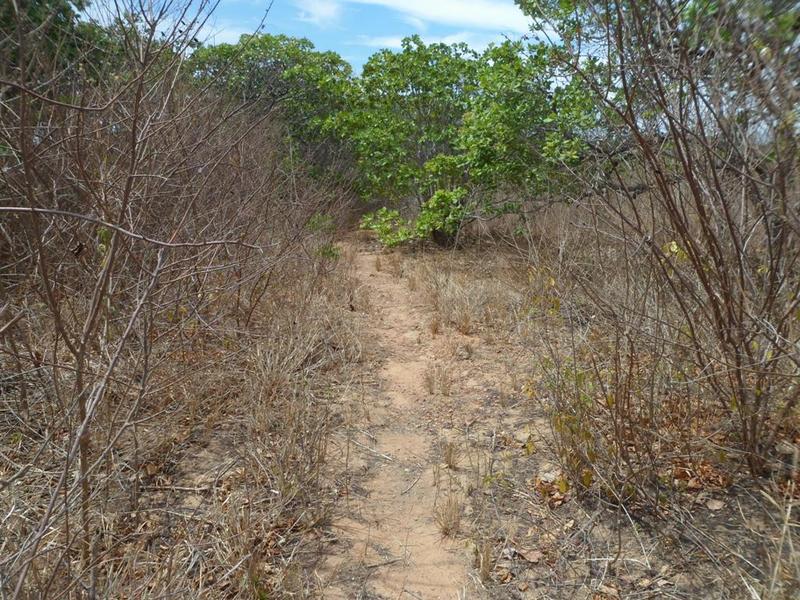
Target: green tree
[[504, 128], [310, 86], [68, 47], [407, 109], [464, 135]]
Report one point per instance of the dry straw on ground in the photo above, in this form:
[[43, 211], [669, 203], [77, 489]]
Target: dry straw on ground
[[171, 327]]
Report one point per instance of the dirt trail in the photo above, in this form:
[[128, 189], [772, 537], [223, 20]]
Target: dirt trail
[[524, 533], [389, 544]]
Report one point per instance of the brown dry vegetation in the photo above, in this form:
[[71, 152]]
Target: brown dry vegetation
[[605, 395], [657, 298], [173, 327], [644, 497]]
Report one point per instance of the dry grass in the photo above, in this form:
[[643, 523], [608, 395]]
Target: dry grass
[[438, 379], [451, 454], [430, 382], [412, 281], [205, 385], [783, 555], [470, 296], [448, 513], [463, 319], [631, 426], [435, 325], [248, 428], [394, 264], [461, 350], [484, 561]]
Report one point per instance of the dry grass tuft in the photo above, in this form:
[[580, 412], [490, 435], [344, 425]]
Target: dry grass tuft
[[468, 295], [437, 378], [463, 319], [412, 280], [451, 454], [483, 560], [394, 264], [448, 513], [435, 325], [429, 381], [461, 350]]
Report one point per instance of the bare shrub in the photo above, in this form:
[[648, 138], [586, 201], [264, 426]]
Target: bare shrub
[[688, 254], [435, 325], [148, 234], [451, 454]]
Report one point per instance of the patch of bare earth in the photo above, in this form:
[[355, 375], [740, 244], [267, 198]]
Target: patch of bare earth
[[389, 541]]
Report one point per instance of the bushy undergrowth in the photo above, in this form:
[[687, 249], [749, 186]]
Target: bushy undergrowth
[[637, 425], [638, 410], [172, 319]]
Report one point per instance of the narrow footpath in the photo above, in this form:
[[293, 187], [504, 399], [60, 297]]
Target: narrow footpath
[[389, 541]]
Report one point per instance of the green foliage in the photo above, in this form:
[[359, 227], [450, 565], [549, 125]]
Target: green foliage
[[406, 110], [321, 223], [329, 252], [390, 227], [72, 46], [443, 212], [428, 126], [55, 21], [503, 128], [310, 86], [445, 171], [253, 68], [440, 217]]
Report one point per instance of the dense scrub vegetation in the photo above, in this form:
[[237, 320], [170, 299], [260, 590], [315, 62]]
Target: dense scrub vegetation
[[155, 194], [166, 274]]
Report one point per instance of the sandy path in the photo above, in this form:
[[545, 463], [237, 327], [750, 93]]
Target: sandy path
[[389, 544]]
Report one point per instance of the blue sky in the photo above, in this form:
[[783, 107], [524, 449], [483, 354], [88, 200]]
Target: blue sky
[[357, 28]]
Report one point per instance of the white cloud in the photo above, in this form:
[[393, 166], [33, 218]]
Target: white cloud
[[415, 22], [319, 12], [497, 15], [393, 42], [221, 31], [476, 40]]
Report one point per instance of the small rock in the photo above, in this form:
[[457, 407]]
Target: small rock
[[681, 581], [548, 476], [608, 591], [521, 436], [532, 556]]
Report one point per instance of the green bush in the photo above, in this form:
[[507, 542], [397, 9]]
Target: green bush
[[440, 218], [390, 227]]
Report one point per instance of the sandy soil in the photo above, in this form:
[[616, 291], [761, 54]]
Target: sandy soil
[[388, 542]]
